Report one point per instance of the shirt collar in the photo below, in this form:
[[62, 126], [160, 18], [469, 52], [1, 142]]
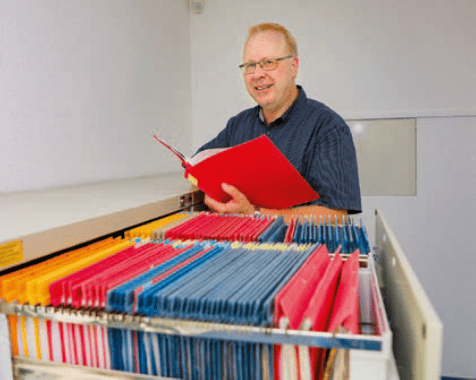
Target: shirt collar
[[285, 116]]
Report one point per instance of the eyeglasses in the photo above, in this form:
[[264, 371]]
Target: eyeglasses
[[268, 64]]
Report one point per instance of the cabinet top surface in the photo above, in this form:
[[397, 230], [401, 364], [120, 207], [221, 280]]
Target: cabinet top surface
[[31, 212]]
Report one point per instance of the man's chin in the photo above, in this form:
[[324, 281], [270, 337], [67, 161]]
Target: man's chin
[[264, 102]]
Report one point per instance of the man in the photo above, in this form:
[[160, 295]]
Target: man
[[313, 138]]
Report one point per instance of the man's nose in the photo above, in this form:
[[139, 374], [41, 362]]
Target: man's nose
[[259, 72]]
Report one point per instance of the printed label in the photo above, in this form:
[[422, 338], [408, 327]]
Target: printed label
[[11, 253]]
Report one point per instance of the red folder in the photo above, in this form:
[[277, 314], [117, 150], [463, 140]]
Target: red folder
[[346, 311], [316, 317], [293, 300], [345, 307], [290, 232], [257, 168]]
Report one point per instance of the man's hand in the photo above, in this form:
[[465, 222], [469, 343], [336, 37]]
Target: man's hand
[[238, 204]]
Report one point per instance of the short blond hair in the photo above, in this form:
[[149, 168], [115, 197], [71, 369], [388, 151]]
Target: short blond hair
[[266, 26]]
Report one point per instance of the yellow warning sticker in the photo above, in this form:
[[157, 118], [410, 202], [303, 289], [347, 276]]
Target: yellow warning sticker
[[11, 253]]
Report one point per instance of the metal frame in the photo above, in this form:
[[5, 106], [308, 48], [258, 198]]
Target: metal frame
[[197, 329], [417, 329], [28, 368]]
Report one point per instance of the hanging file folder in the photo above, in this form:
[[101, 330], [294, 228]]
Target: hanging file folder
[[290, 305], [316, 318]]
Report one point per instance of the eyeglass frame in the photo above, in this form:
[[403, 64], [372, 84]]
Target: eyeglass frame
[[243, 66]]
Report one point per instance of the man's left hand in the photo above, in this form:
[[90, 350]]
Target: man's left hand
[[238, 204]]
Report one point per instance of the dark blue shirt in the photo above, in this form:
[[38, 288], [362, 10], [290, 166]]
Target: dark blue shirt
[[317, 142]]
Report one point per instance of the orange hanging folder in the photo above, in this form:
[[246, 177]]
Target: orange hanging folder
[[257, 168]]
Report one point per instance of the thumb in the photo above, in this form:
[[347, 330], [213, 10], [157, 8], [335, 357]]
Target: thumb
[[232, 190]]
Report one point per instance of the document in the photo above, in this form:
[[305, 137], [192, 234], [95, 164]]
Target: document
[[257, 168]]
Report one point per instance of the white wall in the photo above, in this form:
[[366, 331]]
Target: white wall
[[367, 59], [83, 86]]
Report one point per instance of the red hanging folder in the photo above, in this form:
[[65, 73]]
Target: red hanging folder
[[346, 311], [293, 300], [291, 303], [329, 312], [316, 318]]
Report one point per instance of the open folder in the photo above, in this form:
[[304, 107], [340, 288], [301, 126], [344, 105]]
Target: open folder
[[257, 168]]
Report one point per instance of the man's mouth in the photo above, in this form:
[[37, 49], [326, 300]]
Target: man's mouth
[[264, 87]]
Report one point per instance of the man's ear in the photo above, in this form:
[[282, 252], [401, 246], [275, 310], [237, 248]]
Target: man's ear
[[295, 66]]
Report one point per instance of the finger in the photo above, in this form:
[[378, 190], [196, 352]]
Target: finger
[[214, 205], [233, 191], [239, 202]]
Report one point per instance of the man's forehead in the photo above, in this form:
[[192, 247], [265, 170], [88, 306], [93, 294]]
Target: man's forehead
[[264, 45]]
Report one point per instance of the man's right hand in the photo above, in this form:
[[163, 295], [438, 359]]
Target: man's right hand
[[238, 204]]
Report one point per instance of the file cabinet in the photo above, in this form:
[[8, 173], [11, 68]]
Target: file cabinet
[[413, 335]]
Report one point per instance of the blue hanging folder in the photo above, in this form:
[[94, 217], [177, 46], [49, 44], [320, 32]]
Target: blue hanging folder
[[149, 305], [121, 298], [265, 236], [179, 300], [192, 296]]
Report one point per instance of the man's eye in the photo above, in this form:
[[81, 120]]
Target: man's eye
[[251, 65]]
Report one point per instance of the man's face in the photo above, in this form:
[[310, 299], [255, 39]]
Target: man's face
[[272, 90]]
